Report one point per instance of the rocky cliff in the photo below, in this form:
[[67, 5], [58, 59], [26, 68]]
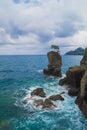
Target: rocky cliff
[[55, 63], [76, 79]]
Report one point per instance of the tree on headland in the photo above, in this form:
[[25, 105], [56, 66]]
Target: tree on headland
[[55, 47]]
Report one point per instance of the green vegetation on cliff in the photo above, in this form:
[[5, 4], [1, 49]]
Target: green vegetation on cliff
[[78, 51]]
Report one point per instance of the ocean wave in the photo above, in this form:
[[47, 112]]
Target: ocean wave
[[39, 71], [27, 102]]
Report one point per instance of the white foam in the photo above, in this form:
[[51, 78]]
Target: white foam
[[50, 89], [40, 71]]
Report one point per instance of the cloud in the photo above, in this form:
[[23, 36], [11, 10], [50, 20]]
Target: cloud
[[31, 26]]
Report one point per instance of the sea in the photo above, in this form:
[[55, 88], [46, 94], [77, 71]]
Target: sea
[[19, 75]]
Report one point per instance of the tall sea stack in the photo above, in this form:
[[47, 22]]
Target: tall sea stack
[[55, 62]]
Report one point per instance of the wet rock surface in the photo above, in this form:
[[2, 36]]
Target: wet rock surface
[[48, 104], [57, 97], [38, 102], [44, 102], [38, 92], [73, 91]]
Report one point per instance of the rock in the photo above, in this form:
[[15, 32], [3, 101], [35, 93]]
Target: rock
[[38, 92], [83, 62], [73, 91], [74, 75], [55, 63], [48, 104], [56, 97], [81, 99], [38, 102], [63, 81], [83, 87]]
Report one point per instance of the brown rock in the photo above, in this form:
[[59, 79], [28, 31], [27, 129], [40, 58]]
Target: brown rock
[[63, 81], [38, 102], [38, 92], [73, 91], [48, 104], [83, 62], [83, 87], [55, 63], [56, 97], [81, 99], [74, 75]]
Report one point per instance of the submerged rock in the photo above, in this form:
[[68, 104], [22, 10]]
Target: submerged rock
[[55, 63], [4, 125], [38, 92]]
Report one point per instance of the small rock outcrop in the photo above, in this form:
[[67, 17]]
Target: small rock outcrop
[[38, 102], [57, 97], [38, 92], [43, 101], [55, 63], [76, 79], [48, 104]]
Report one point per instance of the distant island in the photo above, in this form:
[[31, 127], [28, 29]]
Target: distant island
[[78, 51]]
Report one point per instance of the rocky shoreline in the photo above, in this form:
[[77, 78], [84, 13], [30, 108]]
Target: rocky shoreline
[[76, 77], [76, 80]]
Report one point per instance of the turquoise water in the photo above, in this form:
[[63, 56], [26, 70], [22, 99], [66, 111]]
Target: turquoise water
[[18, 76]]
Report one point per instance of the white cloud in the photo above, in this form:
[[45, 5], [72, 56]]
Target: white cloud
[[30, 27]]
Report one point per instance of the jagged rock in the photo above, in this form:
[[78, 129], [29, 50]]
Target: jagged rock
[[83, 87], [83, 62], [55, 63], [48, 104], [38, 92], [38, 102], [57, 97], [73, 91], [74, 75], [63, 81], [81, 99]]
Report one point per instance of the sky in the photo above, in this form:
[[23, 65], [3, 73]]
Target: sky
[[32, 26]]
